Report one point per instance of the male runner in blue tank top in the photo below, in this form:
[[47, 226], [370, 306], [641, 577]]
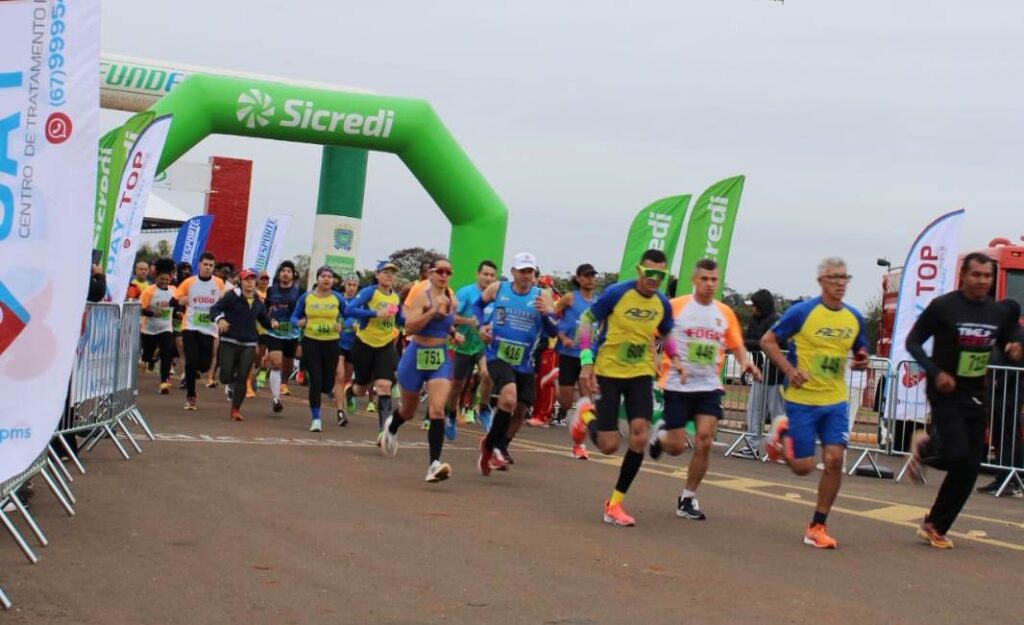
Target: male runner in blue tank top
[[521, 315], [571, 307]]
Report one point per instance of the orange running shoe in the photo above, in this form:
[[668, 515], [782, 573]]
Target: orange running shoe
[[536, 423], [249, 392], [927, 532], [579, 452], [578, 430], [776, 446], [284, 389], [617, 516], [236, 414], [165, 388], [817, 536]]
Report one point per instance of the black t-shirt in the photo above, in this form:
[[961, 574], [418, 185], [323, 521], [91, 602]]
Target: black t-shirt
[[965, 332]]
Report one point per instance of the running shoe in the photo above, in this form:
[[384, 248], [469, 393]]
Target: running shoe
[[389, 441], [483, 463], [284, 390], [278, 406], [499, 462], [371, 406], [991, 487], [559, 421], [342, 419], [534, 422], [817, 536], [350, 403], [425, 424], [165, 388], [776, 445], [438, 472], [689, 508], [654, 449], [578, 429], [261, 378], [927, 532], [485, 419], [211, 384], [506, 456], [236, 414], [315, 426], [182, 385], [579, 452], [190, 403], [229, 393], [468, 416], [249, 391], [617, 516], [1012, 490], [915, 466], [450, 427]]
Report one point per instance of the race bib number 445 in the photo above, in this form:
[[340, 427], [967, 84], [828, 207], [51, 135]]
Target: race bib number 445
[[702, 352]]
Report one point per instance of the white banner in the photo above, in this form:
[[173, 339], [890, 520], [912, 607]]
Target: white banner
[[263, 251], [930, 271], [335, 244], [185, 176], [49, 130], [132, 195]]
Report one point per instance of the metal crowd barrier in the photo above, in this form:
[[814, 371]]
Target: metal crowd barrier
[[101, 399]]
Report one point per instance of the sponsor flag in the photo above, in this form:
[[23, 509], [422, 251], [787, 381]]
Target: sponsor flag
[[132, 195], [657, 226], [114, 147], [264, 249], [929, 271], [191, 241], [49, 129], [709, 230]]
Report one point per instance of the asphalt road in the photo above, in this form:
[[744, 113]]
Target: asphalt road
[[264, 522]]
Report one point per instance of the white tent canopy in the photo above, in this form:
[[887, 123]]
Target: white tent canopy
[[162, 214]]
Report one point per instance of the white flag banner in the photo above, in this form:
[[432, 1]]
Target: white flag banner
[[132, 195], [263, 251], [930, 271], [49, 130]]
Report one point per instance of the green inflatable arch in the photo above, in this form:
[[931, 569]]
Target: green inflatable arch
[[203, 105]]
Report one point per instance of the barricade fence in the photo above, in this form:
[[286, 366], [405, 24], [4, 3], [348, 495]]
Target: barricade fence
[[101, 399]]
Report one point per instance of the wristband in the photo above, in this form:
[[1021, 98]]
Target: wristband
[[669, 345], [586, 357]]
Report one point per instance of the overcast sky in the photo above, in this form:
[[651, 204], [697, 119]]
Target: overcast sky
[[856, 123]]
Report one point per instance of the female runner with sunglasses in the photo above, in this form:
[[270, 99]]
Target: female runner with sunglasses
[[429, 323]]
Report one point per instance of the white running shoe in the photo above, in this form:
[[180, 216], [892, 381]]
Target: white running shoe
[[315, 426], [389, 441], [438, 472]]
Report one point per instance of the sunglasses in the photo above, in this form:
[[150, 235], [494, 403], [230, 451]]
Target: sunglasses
[[442, 271], [652, 274]]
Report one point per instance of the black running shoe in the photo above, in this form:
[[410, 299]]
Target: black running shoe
[[278, 406], [689, 508], [342, 419]]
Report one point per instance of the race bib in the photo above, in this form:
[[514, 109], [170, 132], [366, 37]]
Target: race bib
[[322, 329], [201, 318], [429, 359], [511, 353], [632, 353], [830, 367], [387, 324], [972, 364], [164, 313], [702, 353], [284, 327]]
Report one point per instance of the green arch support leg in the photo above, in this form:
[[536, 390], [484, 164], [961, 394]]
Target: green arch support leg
[[203, 105]]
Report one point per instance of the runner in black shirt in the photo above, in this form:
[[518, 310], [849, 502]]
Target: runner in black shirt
[[966, 325]]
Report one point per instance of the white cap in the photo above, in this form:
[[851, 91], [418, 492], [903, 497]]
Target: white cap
[[524, 260]]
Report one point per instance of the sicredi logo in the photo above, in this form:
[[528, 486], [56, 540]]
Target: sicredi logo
[[257, 108], [15, 434], [254, 107]]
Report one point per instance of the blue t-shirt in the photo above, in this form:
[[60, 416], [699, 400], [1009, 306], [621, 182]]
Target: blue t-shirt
[[348, 327], [516, 328], [570, 323], [280, 304]]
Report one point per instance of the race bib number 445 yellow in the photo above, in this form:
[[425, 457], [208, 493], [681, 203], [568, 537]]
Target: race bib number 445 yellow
[[702, 352]]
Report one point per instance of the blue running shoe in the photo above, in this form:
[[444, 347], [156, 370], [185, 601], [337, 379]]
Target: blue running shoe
[[449, 427], [485, 418]]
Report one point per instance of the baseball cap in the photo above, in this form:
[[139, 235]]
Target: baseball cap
[[246, 273], [386, 264], [584, 269], [524, 260]]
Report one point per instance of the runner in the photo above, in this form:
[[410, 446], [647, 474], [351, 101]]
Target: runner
[[571, 308], [965, 325], [522, 314], [631, 314], [822, 330], [282, 342], [342, 391], [319, 313], [236, 315], [703, 329], [157, 327], [257, 375], [373, 352], [139, 282], [429, 318], [197, 294], [183, 273], [545, 361], [470, 352]]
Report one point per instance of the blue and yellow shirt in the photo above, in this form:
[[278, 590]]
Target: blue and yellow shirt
[[373, 330], [322, 313], [821, 340], [629, 322]]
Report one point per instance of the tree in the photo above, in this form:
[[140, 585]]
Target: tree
[[410, 259], [301, 267], [873, 321]]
